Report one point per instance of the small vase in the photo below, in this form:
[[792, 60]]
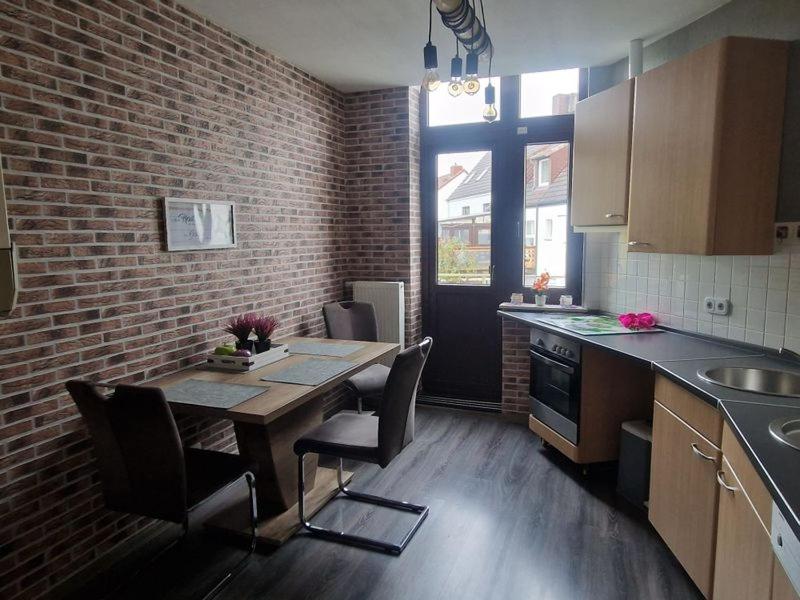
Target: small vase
[[540, 299], [263, 346], [244, 345]]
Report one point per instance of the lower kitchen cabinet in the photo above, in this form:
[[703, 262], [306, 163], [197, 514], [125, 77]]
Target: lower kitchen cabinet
[[684, 493], [744, 559]]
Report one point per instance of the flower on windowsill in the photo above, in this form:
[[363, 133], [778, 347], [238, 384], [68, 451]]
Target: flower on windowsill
[[541, 283], [637, 321]]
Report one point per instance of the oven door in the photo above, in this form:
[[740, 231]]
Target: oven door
[[555, 394]]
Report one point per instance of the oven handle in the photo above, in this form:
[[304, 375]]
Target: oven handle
[[552, 363]]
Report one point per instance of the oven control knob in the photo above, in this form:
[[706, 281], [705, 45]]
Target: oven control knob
[[540, 342], [556, 348], [570, 354]]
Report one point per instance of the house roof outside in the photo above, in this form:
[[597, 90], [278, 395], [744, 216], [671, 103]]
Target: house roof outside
[[478, 181]]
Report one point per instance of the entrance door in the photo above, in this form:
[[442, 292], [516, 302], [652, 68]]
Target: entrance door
[[495, 215]]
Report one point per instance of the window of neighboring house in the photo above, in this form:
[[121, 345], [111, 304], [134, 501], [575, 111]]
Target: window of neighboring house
[[465, 211], [548, 93], [444, 109], [487, 207], [548, 229], [484, 237], [543, 174]]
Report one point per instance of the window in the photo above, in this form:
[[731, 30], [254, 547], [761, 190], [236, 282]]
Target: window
[[545, 244], [543, 175], [548, 93], [443, 109], [463, 247]]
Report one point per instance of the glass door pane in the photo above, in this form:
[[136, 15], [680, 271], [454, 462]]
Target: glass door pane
[[464, 218], [546, 196]]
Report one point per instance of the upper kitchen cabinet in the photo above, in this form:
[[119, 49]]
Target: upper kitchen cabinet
[[602, 157], [705, 152]]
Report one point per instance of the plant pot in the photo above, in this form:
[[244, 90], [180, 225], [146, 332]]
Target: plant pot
[[263, 346], [245, 345], [540, 299]]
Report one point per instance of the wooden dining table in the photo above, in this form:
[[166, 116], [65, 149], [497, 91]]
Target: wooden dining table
[[267, 426]]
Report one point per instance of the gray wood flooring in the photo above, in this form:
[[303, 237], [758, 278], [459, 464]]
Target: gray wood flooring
[[508, 520]]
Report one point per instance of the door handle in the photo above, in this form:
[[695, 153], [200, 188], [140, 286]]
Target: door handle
[[723, 483], [697, 451], [614, 216], [635, 243]]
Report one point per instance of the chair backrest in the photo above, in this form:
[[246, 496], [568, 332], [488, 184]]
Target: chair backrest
[[396, 420], [138, 449], [351, 321]]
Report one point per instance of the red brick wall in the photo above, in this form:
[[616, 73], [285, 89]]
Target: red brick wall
[[516, 369], [107, 106], [383, 193]]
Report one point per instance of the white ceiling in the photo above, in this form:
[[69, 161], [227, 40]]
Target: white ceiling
[[372, 44]]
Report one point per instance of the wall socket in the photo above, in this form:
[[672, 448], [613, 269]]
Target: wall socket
[[717, 306]]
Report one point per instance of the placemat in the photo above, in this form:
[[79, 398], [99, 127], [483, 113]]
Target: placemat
[[323, 349], [310, 372], [211, 393]]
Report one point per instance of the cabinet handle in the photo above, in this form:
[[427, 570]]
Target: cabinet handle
[[614, 216], [721, 481], [634, 243], [697, 451]]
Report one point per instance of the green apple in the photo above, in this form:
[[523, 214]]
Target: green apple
[[225, 350]]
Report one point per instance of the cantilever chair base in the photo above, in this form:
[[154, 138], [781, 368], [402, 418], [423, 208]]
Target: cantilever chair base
[[355, 540]]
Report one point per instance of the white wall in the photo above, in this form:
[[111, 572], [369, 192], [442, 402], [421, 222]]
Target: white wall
[[764, 290]]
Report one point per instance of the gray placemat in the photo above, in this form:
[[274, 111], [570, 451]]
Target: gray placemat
[[323, 349], [211, 393], [310, 372]]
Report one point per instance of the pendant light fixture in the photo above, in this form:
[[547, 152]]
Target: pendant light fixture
[[430, 82], [490, 110], [471, 82], [456, 86]]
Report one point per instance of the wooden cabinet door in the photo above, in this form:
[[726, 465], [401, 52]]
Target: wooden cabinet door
[[683, 494], [601, 157], [782, 588], [743, 566]]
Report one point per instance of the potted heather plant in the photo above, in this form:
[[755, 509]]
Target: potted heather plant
[[240, 327], [263, 327], [540, 285]]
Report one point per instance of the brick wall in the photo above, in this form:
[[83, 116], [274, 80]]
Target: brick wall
[[383, 193], [516, 369], [107, 106]]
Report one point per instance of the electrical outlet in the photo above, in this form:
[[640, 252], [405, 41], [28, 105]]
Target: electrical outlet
[[716, 306]]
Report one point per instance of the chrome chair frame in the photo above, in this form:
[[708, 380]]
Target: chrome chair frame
[[356, 540]]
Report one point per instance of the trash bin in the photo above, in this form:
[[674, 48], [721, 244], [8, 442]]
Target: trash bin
[[633, 476]]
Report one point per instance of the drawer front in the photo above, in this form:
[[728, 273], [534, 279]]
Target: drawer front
[[700, 415], [684, 493], [749, 479]]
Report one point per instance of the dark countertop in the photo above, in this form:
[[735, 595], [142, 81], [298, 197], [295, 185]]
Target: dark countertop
[[679, 357], [776, 463]]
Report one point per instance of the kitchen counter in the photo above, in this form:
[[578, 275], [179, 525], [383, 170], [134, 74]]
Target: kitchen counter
[[678, 357]]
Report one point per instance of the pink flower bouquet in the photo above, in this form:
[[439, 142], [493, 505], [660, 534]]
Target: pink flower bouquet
[[637, 321]]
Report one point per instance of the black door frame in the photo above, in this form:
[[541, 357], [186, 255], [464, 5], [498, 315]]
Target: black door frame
[[506, 142]]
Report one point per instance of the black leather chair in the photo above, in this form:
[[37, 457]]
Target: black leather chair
[[145, 470], [372, 439], [357, 321]]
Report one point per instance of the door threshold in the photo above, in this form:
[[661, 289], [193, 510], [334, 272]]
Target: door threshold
[[482, 405]]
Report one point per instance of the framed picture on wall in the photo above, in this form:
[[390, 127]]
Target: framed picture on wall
[[199, 224]]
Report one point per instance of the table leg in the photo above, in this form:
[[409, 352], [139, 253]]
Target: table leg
[[270, 446]]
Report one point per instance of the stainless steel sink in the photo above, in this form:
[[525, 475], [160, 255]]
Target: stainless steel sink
[[786, 431], [760, 381]]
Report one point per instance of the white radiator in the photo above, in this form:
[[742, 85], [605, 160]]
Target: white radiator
[[388, 297]]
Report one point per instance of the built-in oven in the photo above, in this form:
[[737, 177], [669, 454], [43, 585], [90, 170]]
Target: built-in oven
[[555, 382]]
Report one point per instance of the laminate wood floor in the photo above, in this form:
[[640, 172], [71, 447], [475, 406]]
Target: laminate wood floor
[[508, 520]]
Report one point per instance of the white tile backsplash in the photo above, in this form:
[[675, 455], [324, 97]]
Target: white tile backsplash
[[764, 290]]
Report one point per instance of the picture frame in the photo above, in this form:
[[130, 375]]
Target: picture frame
[[199, 224]]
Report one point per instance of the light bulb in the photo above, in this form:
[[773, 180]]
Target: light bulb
[[472, 85], [431, 80], [490, 113], [455, 87]]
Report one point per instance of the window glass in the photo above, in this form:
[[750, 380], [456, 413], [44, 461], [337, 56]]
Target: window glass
[[548, 93], [464, 218], [545, 243], [444, 109]]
